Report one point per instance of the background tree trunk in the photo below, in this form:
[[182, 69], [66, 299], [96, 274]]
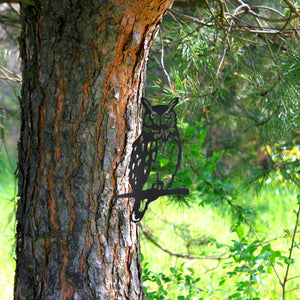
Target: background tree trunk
[[83, 65]]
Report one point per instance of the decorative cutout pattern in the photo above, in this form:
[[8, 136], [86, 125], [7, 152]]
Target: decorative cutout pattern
[[157, 150]]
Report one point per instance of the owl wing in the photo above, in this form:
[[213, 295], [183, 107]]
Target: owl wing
[[143, 154]]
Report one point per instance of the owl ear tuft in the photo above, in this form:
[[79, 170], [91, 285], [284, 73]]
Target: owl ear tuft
[[147, 104], [173, 103]]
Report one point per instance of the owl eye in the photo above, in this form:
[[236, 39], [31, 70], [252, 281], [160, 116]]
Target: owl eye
[[167, 115], [152, 115]]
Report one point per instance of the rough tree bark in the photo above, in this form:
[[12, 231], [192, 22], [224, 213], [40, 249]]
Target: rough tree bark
[[83, 65]]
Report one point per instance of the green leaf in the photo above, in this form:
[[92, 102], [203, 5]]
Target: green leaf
[[240, 231], [164, 162], [221, 282], [158, 281], [234, 296], [274, 255], [187, 180]]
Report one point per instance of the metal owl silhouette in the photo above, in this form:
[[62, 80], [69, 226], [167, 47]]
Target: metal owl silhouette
[[155, 153]]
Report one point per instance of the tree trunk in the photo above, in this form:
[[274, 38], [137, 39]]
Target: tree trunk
[[83, 65]]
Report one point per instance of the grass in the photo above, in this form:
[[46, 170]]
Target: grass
[[7, 230], [274, 213]]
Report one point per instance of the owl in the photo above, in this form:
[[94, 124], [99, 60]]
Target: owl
[[155, 157]]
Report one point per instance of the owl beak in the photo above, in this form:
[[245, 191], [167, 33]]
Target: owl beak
[[163, 134]]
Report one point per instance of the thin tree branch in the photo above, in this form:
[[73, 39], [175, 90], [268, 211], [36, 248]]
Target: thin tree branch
[[245, 9], [171, 85], [291, 290], [294, 277], [268, 8], [186, 17], [14, 8], [216, 19], [225, 50], [290, 253], [9, 75], [293, 8], [280, 20], [270, 51], [150, 237], [236, 11]]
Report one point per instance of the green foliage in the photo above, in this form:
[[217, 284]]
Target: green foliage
[[7, 227], [178, 284], [239, 121], [247, 90], [249, 268], [198, 171]]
